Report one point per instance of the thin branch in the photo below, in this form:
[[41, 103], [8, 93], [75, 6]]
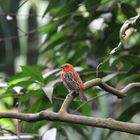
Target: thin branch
[[19, 36], [90, 100], [112, 90], [91, 83], [104, 86], [102, 72], [132, 128], [13, 133], [130, 86]]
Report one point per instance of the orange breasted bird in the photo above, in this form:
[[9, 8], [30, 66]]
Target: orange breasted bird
[[72, 80]]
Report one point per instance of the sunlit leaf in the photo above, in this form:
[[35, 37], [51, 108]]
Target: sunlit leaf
[[34, 72], [48, 89]]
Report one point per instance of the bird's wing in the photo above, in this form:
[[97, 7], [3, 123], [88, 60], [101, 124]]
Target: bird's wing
[[71, 81]]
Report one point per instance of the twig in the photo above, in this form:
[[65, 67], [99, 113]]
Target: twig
[[4, 129], [90, 100], [130, 86], [97, 69], [112, 90]]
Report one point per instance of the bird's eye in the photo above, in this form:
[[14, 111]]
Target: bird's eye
[[66, 66]]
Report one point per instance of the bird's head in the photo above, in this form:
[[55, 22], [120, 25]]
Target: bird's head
[[67, 67]]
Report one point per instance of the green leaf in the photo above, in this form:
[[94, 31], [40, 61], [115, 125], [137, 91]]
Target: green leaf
[[64, 10], [40, 103], [77, 17], [16, 82], [81, 130], [94, 3], [33, 127], [31, 93], [130, 112], [50, 27], [35, 72], [56, 42], [51, 5], [127, 115], [133, 70], [108, 6], [128, 10], [86, 110]]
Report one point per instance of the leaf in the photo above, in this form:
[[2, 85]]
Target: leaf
[[41, 103], [50, 27], [60, 41], [109, 76], [35, 72], [133, 59], [33, 128], [47, 74], [51, 5], [24, 79], [94, 3], [130, 112], [108, 6], [127, 115], [86, 110], [128, 10], [16, 82], [77, 130], [63, 10], [48, 89], [31, 93], [133, 70], [78, 18], [50, 134]]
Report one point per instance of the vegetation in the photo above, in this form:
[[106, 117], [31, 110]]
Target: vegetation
[[99, 37]]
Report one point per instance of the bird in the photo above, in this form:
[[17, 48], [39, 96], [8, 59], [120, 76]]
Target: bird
[[72, 80]]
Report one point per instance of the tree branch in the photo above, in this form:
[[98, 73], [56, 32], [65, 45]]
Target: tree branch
[[66, 103], [63, 116], [132, 128], [130, 86], [102, 85], [112, 90]]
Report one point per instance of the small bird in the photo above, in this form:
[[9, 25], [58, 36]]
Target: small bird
[[72, 80]]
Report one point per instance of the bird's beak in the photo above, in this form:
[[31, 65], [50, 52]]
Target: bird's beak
[[62, 66]]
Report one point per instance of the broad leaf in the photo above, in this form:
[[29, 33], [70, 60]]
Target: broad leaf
[[35, 72], [127, 115], [48, 89], [128, 10]]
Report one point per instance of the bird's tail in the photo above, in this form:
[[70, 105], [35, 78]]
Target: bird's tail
[[82, 96]]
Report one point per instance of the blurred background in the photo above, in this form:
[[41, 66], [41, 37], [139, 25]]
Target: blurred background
[[38, 36]]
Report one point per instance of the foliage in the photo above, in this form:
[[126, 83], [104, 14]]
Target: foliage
[[37, 37]]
